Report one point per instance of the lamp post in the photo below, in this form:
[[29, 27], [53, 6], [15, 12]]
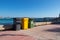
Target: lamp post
[[59, 15]]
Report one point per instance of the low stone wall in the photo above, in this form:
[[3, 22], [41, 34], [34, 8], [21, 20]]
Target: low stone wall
[[3, 27], [42, 23]]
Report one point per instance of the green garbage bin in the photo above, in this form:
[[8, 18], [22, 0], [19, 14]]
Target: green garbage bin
[[31, 23]]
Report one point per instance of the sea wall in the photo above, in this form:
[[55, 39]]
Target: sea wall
[[4, 27], [42, 23]]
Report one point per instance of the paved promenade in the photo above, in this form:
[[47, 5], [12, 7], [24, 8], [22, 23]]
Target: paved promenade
[[45, 32]]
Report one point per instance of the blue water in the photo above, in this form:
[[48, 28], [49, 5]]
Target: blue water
[[4, 21], [10, 20]]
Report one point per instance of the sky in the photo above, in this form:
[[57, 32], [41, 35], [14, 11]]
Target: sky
[[29, 8]]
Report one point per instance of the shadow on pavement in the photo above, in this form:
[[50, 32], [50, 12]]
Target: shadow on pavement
[[53, 30], [55, 22], [12, 35], [6, 27]]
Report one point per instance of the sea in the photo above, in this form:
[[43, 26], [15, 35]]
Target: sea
[[4, 21]]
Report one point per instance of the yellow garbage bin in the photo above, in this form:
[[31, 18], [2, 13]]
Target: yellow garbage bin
[[25, 23]]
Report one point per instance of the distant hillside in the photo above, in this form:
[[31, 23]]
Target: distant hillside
[[47, 19]]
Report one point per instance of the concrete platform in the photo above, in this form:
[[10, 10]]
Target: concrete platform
[[46, 32], [14, 35]]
